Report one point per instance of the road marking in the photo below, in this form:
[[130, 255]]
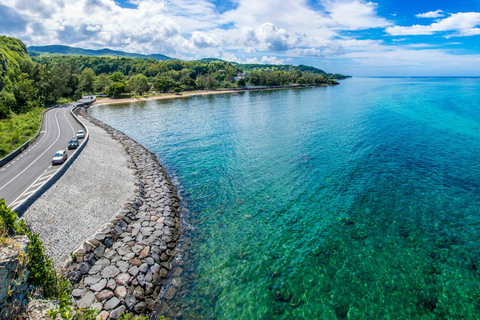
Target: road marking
[[24, 192], [58, 127], [73, 130]]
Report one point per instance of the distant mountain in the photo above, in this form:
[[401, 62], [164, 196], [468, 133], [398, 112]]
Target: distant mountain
[[35, 51]]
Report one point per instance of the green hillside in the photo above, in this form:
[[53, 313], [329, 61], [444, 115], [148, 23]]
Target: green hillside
[[35, 51]]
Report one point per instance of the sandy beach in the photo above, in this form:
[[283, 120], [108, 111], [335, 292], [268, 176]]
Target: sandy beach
[[159, 97]]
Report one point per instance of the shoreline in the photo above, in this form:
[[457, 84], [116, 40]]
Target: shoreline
[[165, 96], [125, 266]]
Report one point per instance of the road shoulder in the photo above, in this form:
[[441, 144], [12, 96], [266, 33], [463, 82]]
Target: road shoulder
[[86, 197]]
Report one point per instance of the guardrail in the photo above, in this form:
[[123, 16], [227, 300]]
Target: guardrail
[[21, 208], [20, 149]]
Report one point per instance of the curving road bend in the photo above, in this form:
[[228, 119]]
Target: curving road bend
[[32, 168]]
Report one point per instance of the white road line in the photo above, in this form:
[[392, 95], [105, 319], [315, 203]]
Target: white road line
[[58, 127], [73, 130], [34, 182], [46, 177]]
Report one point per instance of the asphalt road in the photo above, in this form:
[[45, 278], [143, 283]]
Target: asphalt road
[[33, 167]]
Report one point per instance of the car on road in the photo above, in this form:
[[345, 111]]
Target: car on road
[[73, 144], [59, 157], [80, 134]]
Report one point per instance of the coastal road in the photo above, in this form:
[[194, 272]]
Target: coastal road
[[27, 172]]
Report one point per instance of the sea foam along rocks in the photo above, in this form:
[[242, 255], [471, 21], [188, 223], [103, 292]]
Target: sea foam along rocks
[[122, 267]]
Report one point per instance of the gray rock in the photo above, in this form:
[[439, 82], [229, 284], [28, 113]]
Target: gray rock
[[104, 295], [141, 279], [138, 292], [110, 272], [120, 292], [84, 267], [122, 266], [100, 236], [95, 269], [112, 303], [115, 258], [133, 271], [137, 248], [150, 261], [97, 306], [135, 231], [140, 307], [155, 268], [111, 284], [149, 288], [86, 300], [92, 280], [99, 250], [99, 286], [122, 279], [75, 276], [124, 250], [116, 245], [149, 276], [130, 301], [103, 262], [143, 268], [115, 314], [146, 231], [128, 256], [77, 293]]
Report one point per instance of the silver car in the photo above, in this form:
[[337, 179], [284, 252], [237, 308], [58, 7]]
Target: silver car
[[59, 157], [80, 134]]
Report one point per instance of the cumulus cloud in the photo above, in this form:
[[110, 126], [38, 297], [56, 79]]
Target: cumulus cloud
[[266, 60], [431, 14], [202, 40], [458, 24], [354, 15]]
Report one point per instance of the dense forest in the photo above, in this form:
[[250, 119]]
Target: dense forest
[[26, 82]]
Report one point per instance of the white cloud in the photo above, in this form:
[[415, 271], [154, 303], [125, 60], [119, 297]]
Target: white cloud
[[202, 40], [431, 14], [458, 24], [354, 15], [267, 60]]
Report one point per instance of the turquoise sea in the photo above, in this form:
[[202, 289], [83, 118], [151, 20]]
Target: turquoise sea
[[358, 201]]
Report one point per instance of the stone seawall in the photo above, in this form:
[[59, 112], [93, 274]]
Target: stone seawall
[[121, 268]]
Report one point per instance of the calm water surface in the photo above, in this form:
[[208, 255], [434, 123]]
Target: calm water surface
[[359, 201]]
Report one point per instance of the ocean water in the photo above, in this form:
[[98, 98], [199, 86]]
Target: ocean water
[[358, 201]]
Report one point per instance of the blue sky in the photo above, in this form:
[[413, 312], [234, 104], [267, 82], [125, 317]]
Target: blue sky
[[356, 37]]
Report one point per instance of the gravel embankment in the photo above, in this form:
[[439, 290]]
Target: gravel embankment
[[85, 198]]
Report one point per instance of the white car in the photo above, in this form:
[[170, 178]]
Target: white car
[[80, 134], [59, 157]]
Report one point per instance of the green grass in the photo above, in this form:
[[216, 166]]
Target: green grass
[[18, 129]]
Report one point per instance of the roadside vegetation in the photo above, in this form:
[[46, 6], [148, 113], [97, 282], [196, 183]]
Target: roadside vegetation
[[46, 282], [16, 129]]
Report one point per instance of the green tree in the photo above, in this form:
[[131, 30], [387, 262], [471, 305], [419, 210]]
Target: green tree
[[7, 101], [87, 80], [117, 77], [116, 89], [140, 84], [60, 78], [101, 83], [302, 80], [241, 82], [164, 84]]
